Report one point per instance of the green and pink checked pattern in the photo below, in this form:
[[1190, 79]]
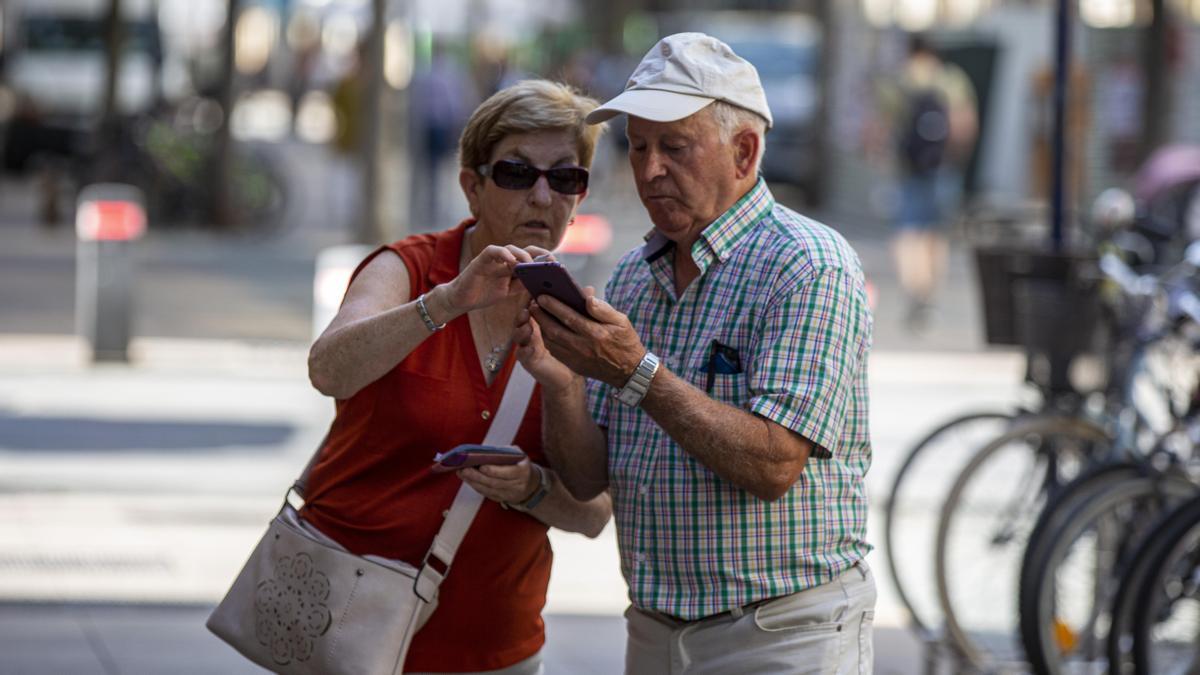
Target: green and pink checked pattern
[[789, 295]]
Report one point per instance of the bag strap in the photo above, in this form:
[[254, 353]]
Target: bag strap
[[467, 502]]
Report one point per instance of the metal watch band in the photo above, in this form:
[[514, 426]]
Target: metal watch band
[[639, 383], [424, 312]]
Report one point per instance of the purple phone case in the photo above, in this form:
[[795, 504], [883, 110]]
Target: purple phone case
[[551, 278], [464, 456]]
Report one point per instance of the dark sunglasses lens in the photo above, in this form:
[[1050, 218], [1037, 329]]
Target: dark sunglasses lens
[[514, 176], [567, 181]]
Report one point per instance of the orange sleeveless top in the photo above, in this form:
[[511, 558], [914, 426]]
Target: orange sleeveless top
[[373, 492]]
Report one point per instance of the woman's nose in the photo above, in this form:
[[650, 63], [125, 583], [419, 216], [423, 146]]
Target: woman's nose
[[539, 194]]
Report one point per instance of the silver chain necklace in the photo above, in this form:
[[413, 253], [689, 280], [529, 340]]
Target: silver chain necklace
[[495, 356]]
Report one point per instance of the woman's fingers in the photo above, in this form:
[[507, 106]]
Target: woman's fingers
[[520, 254]]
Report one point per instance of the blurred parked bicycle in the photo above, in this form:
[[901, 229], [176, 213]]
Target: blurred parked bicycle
[[1099, 455]]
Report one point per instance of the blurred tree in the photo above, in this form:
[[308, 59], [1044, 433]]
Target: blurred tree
[[371, 229]]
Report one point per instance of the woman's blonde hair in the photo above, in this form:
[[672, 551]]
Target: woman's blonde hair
[[529, 105]]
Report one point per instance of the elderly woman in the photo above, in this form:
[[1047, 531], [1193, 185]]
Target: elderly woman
[[418, 357]]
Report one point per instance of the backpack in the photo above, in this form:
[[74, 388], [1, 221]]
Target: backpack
[[926, 131]]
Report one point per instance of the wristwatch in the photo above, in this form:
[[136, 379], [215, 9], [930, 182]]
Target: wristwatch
[[639, 383], [539, 494]]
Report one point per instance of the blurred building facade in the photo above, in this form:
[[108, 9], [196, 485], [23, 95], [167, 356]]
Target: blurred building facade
[[290, 54]]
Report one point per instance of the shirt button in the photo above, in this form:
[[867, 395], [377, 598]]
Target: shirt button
[[643, 490], [641, 557], [486, 414]]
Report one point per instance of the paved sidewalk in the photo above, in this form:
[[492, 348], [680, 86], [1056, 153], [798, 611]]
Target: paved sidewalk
[[160, 639], [130, 494]]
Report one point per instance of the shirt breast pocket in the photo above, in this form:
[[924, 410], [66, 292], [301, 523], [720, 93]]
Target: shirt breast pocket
[[731, 388]]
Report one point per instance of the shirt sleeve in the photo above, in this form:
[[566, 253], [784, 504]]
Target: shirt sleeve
[[810, 350]]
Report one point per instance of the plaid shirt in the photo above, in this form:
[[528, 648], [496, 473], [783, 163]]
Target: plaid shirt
[[789, 295]]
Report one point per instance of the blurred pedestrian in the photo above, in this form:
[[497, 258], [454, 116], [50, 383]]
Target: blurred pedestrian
[[441, 98], [418, 358], [726, 394], [349, 108], [931, 115]]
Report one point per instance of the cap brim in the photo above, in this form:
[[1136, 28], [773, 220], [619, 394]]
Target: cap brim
[[651, 104]]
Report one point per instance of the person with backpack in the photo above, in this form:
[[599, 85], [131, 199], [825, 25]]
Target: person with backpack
[[934, 123]]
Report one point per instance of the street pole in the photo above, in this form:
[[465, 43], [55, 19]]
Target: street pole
[[1154, 68], [1062, 68], [826, 11], [113, 36], [221, 213], [371, 227]]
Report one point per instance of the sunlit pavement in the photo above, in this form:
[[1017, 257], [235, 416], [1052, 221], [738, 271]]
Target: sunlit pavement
[[150, 484]]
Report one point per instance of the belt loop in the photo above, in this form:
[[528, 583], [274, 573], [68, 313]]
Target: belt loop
[[737, 612]]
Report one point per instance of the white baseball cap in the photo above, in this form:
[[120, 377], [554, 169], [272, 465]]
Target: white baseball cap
[[680, 75]]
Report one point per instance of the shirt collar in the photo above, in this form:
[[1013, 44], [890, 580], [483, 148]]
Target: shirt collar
[[446, 253], [724, 234]]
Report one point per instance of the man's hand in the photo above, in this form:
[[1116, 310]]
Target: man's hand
[[603, 346], [512, 483]]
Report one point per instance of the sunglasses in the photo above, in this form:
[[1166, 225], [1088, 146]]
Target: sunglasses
[[510, 175]]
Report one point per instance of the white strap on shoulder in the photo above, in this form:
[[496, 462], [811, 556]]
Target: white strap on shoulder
[[504, 428]]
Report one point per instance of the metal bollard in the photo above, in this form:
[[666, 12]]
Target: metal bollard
[[108, 217], [335, 265]]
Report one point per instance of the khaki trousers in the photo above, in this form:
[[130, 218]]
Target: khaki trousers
[[822, 630]]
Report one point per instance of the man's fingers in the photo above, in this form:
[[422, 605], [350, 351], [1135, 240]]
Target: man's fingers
[[604, 312], [569, 317]]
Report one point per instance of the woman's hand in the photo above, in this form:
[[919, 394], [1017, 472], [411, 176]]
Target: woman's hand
[[511, 483], [551, 373], [487, 279]]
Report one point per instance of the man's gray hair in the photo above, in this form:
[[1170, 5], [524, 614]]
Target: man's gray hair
[[731, 119]]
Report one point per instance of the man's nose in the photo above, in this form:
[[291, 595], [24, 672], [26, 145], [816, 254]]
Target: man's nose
[[653, 166]]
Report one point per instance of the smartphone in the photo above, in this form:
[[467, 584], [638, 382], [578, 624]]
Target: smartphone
[[551, 278], [470, 454]]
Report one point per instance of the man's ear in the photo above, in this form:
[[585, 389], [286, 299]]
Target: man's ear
[[746, 148], [472, 187]]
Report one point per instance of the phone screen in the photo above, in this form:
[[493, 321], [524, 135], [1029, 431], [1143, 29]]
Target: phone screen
[[551, 278]]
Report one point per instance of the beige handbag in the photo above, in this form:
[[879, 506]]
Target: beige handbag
[[303, 604]]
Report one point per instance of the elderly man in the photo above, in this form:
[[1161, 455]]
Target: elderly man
[[725, 400]]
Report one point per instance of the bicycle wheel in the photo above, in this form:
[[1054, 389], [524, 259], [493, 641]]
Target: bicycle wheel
[[1129, 592], [1074, 584], [985, 522], [1167, 621], [1049, 524], [910, 513]]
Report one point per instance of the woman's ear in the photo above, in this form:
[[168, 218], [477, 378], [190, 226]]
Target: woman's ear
[[746, 148], [472, 187]]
